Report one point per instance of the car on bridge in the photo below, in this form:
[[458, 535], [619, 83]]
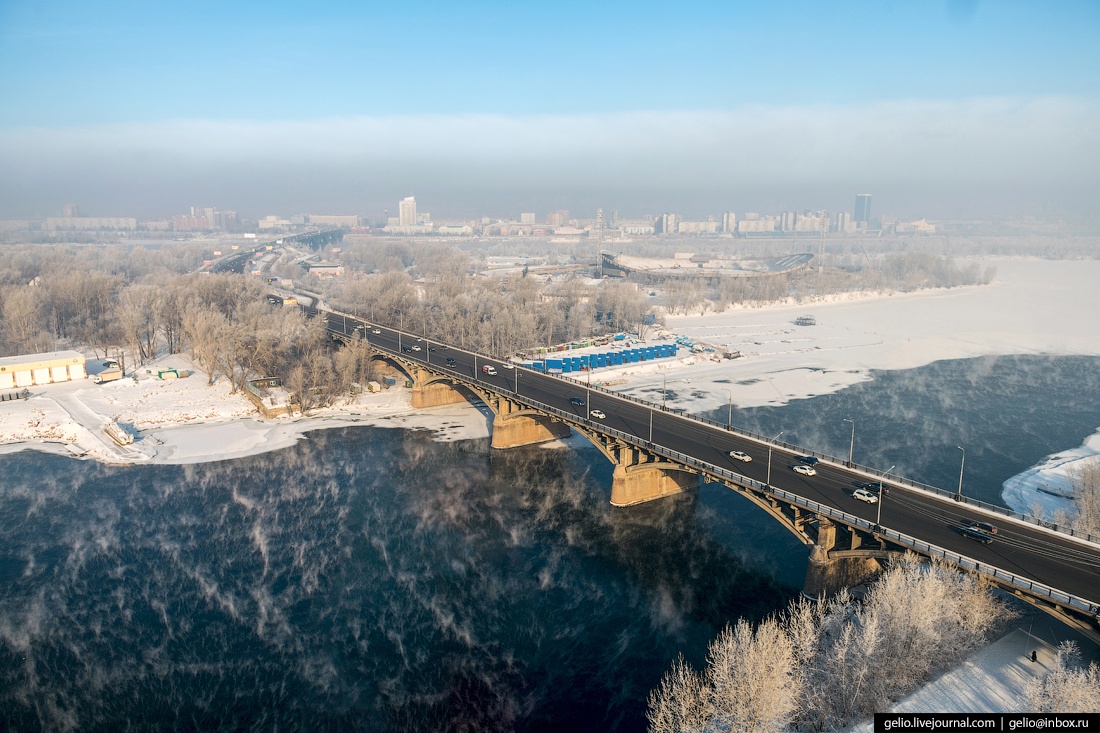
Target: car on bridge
[[983, 526], [808, 460], [376, 332], [508, 365], [416, 348], [865, 495], [740, 456], [490, 370], [451, 362], [804, 470], [978, 535], [578, 401], [876, 487], [598, 414], [407, 349]]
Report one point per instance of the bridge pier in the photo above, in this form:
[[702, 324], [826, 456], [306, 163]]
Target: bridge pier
[[435, 395], [512, 431], [827, 575], [635, 482]]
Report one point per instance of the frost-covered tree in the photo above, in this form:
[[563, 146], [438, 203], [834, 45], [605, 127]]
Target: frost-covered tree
[[1086, 497], [1068, 688]]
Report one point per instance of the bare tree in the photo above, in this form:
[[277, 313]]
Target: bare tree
[[1085, 480]]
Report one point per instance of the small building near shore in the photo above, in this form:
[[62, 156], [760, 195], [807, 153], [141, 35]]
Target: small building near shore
[[37, 369]]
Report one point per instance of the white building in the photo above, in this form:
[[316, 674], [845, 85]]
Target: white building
[[697, 227], [407, 212], [35, 369]]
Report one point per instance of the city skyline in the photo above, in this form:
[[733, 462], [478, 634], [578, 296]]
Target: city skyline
[[946, 110]]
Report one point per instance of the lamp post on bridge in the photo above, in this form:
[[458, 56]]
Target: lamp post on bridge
[[664, 391], [729, 419], [852, 445], [769, 480], [881, 494], [962, 465]]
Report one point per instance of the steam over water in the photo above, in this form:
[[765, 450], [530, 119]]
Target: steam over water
[[371, 579], [365, 579]]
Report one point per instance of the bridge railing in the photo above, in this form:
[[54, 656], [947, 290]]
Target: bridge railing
[[871, 472], [1002, 576]]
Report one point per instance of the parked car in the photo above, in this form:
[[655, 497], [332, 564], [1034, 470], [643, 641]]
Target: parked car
[[740, 456], [578, 401], [865, 495], [804, 470], [598, 414], [808, 460], [978, 535], [983, 526]]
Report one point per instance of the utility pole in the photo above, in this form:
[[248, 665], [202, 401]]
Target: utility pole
[[852, 445], [769, 480]]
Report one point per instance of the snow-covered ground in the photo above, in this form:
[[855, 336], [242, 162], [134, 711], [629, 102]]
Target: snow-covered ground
[[189, 421], [1047, 483]]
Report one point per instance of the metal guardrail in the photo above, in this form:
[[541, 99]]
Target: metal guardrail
[[871, 472], [998, 574]]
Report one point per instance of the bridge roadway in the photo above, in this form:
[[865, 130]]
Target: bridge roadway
[[1051, 558]]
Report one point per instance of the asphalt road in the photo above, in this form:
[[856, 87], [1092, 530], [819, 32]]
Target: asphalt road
[[1043, 556]]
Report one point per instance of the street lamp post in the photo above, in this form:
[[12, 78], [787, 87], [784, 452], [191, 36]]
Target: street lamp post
[[729, 420], [664, 391], [769, 481], [881, 494], [962, 465], [852, 445]]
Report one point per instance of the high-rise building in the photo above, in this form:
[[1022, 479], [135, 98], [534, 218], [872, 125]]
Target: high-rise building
[[843, 222], [406, 213], [666, 224], [729, 221], [527, 218], [863, 208], [557, 218]]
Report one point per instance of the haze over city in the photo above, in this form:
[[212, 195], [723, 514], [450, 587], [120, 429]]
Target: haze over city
[[943, 110]]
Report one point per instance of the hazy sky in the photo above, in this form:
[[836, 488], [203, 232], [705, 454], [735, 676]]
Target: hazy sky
[[939, 109]]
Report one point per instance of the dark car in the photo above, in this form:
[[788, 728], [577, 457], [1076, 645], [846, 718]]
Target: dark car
[[983, 526], [976, 534], [451, 362], [579, 401], [808, 460], [407, 349], [874, 486]]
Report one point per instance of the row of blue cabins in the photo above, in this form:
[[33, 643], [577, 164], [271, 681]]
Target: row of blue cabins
[[568, 364]]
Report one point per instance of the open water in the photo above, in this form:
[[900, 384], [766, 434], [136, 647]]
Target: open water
[[372, 579]]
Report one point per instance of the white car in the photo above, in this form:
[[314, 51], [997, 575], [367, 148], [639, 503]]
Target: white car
[[865, 495], [376, 332], [740, 456], [416, 348], [598, 414], [508, 365], [804, 470]]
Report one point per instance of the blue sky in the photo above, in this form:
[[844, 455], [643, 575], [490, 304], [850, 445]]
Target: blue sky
[[109, 73]]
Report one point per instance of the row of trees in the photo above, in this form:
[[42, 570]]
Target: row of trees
[[821, 665], [902, 272]]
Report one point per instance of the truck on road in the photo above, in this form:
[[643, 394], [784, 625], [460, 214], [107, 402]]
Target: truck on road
[[490, 370]]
